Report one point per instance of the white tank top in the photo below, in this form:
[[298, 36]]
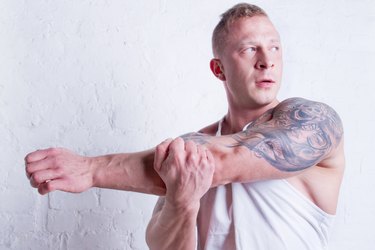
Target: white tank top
[[263, 215]]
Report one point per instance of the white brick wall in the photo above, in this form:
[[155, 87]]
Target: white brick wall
[[111, 76]]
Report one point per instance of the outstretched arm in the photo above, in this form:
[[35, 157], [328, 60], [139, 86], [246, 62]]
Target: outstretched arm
[[293, 136], [60, 169]]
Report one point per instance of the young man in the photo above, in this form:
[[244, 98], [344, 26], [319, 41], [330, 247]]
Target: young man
[[274, 169]]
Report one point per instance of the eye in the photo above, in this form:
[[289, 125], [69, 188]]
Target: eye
[[275, 48], [249, 50]]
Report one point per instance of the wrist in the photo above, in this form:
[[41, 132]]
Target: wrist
[[191, 207], [97, 166]]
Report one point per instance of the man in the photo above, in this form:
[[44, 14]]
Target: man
[[274, 169]]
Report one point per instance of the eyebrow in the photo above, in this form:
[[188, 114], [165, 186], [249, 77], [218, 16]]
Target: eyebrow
[[252, 42]]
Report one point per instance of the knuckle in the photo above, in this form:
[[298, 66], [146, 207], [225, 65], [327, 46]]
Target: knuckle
[[36, 179], [179, 139], [28, 169], [56, 162], [191, 160], [54, 151], [190, 143], [159, 149], [176, 142], [33, 184], [49, 186], [27, 158]]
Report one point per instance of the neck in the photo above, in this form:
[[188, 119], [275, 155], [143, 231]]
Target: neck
[[236, 119]]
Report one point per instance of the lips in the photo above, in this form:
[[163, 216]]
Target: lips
[[265, 83]]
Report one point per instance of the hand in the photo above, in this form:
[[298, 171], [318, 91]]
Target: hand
[[186, 169], [59, 169]]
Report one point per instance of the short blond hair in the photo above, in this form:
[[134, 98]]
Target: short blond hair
[[238, 11]]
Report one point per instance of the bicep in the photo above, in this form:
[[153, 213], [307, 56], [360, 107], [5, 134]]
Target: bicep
[[300, 134]]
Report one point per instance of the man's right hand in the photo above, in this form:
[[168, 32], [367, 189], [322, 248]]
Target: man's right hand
[[186, 169], [59, 169]]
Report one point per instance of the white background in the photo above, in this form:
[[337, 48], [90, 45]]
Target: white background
[[118, 76]]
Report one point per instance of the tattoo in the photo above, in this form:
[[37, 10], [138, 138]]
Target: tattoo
[[299, 134], [293, 136], [198, 138]]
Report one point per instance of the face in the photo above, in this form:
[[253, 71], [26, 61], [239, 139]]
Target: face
[[251, 63]]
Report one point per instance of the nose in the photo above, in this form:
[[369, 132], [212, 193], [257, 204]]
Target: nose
[[264, 61]]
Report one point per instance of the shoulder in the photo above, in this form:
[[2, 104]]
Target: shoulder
[[309, 106], [309, 115], [300, 134], [306, 107]]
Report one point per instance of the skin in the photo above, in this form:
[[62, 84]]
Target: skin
[[297, 139], [187, 171]]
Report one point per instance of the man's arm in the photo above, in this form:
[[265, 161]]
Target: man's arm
[[60, 169], [293, 136], [187, 170]]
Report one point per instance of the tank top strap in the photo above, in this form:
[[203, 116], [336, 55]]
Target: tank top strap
[[220, 126]]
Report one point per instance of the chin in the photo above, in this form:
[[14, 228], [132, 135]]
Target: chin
[[265, 99]]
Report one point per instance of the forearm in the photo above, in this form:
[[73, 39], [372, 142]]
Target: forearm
[[129, 172], [236, 164], [173, 228]]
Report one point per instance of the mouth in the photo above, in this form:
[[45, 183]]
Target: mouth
[[265, 83]]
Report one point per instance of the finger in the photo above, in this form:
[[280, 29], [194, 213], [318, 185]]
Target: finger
[[192, 155], [201, 154], [40, 165], [39, 155], [49, 186], [177, 150], [177, 144], [161, 153], [191, 147], [42, 176]]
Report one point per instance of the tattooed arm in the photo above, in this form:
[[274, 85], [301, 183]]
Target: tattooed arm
[[293, 136]]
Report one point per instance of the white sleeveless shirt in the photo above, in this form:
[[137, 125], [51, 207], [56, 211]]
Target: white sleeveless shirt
[[263, 215]]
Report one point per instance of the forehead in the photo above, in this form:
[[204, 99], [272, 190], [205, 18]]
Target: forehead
[[257, 29]]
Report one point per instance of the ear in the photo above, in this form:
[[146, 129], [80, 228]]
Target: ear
[[217, 68]]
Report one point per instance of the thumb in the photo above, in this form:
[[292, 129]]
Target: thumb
[[161, 153]]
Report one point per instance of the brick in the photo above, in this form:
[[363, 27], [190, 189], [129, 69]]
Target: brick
[[62, 221], [137, 240], [114, 199], [23, 223], [128, 221], [67, 201], [97, 241], [141, 202], [96, 220], [17, 201]]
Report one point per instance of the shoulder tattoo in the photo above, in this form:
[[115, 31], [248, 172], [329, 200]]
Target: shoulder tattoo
[[299, 134]]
